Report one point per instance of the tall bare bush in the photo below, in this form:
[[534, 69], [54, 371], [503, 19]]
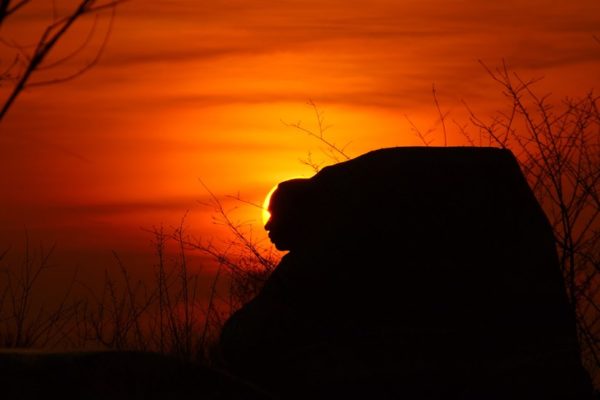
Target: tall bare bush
[[558, 147]]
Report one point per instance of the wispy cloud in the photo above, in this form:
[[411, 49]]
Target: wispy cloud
[[191, 88]]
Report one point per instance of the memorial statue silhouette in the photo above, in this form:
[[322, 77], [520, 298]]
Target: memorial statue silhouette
[[412, 273]]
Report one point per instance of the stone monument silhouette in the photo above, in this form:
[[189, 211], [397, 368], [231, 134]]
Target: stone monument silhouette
[[421, 273]]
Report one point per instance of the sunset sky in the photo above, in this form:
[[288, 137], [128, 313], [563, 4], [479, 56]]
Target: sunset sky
[[190, 90]]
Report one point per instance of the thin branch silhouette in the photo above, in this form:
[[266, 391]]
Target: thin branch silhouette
[[53, 34], [333, 151]]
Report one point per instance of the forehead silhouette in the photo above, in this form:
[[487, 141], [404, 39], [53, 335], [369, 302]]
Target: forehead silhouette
[[290, 196]]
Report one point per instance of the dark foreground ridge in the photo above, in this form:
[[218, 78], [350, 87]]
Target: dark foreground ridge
[[413, 273], [115, 375]]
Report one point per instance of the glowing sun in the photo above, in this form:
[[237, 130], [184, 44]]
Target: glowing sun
[[266, 215]]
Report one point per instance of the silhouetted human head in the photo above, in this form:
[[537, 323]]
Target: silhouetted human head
[[290, 213]]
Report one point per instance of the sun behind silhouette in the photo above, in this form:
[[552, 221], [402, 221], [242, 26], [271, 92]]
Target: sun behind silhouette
[[266, 215]]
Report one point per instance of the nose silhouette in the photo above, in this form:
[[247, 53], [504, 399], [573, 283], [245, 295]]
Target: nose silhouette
[[287, 223], [269, 224]]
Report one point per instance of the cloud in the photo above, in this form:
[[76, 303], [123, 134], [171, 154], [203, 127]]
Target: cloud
[[127, 206], [172, 54]]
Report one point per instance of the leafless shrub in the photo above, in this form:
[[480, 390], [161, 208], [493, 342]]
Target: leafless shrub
[[558, 147], [25, 321], [113, 319], [164, 314], [248, 262]]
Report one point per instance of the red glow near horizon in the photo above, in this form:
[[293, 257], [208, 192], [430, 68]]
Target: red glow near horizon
[[191, 90]]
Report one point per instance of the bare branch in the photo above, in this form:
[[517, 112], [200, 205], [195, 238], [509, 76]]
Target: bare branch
[[558, 147], [441, 115], [422, 136], [333, 151], [52, 35], [83, 69], [75, 52], [6, 10]]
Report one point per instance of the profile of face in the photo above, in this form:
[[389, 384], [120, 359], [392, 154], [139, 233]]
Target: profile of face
[[287, 225]]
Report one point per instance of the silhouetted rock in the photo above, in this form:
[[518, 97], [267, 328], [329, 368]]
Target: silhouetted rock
[[419, 272], [115, 375]]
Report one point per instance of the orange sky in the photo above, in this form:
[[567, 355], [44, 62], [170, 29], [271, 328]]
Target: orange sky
[[191, 89]]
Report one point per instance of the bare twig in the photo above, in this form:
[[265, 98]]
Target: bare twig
[[421, 135], [49, 39], [6, 9], [333, 151], [559, 152], [441, 115]]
